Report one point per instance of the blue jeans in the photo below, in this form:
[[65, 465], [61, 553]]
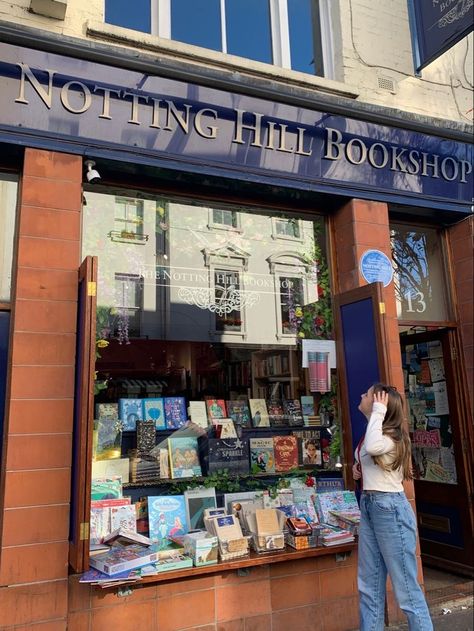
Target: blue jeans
[[387, 543]]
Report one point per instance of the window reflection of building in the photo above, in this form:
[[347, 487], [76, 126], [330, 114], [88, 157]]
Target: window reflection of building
[[291, 297], [128, 302], [129, 215], [226, 287]]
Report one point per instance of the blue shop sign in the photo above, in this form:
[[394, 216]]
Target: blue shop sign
[[92, 109], [437, 25], [375, 266]]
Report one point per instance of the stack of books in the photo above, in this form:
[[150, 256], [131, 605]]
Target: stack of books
[[333, 536]]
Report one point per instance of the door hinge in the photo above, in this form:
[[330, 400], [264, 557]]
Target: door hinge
[[84, 531], [454, 353], [381, 308], [91, 289]]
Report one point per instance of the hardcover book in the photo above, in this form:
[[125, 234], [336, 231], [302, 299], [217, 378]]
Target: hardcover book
[[239, 412], [167, 517], [286, 453], [106, 488], [225, 428], [230, 453], [130, 411], [198, 414], [216, 409], [307, 406], [309, 447], [175, 412], [293, 412], [184, 456], [99, 524], [262, 458], [259, 413], [154, 410], [108, 435], [107, 410], [276, 413], [145, 436]]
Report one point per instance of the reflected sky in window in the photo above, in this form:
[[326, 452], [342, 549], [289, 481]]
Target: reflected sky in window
[[197, 22], [300, 22], [248, 29], [136, 15]]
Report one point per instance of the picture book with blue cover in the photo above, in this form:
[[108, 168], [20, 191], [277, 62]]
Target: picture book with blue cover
[[166, 517], [130, 411], [175, 412], [154, 410]]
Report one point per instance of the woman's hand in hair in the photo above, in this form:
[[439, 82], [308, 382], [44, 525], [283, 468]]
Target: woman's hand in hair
[[381, 397]]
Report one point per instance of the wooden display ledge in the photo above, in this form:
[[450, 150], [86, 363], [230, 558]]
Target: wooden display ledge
[[254, 559]]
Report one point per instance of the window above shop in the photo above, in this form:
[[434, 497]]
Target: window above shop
[[8, 202], [287, 33]]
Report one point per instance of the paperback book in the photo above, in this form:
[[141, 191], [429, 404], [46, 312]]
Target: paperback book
[[262, 457], [293, 412], [286, 453], [239, 412], [259, 413], [175, 412], [146, 436], [108, 435], [108, 411], [216, 409], [198, 414], [130, 411], [276, 413], [166, 517], [154, 410], [184, 457], [124, 517]]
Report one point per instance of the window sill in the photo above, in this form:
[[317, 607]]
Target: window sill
[[254, 559], [209, 58]]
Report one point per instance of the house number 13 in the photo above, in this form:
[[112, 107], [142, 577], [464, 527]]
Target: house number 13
[[418, 300]]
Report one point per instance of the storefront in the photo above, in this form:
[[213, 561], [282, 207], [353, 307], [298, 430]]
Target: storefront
[[221, 233]]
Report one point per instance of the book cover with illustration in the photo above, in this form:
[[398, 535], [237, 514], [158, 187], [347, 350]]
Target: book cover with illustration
[[307, 405], [259, 413], [166, 517], [184, 456], [175, 412], [309, 447], [123, 517], [239, 412], [286, 453], [198, 414], [154, 410], [276, 413], [293, 412], [262, 457], [107, 410], [216, 409], [130, 411]]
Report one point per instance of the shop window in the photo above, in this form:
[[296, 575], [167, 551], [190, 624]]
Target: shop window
[[227, 300], [419, 273], [291, 298], [287, 34], [8, 200], [128, 303]]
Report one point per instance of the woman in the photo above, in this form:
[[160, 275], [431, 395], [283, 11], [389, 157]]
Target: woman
[[387, 535]]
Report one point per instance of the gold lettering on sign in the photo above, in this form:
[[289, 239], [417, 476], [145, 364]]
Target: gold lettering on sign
[[135, 103], [256, 128], [106, 102], [211, 129], [64, 96], [26, 73]]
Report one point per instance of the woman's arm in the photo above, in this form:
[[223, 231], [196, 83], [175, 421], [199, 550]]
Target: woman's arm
[[376, 443]]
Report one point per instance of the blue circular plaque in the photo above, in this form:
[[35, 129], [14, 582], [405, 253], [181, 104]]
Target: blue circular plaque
[[375, 266]]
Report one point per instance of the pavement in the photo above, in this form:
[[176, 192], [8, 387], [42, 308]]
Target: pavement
[[455, 615]]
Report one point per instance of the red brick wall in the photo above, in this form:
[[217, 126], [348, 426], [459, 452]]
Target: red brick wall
[[35, 518], [461, 246], [360, 226]]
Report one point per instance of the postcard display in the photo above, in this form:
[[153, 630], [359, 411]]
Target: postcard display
[[143, 445], [429, 421]]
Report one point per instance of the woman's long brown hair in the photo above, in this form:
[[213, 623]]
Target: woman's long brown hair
[[394, 425]]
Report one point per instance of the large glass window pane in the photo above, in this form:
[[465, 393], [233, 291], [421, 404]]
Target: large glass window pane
[[301, 25], [248, 29], [197, 22], [135, 15], [8, 199], [419, 273]]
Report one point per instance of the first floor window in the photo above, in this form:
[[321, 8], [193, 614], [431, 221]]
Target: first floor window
[[227, 300], [291, 297], [287, 228], [226, 218], [129, 216], [128, 303]]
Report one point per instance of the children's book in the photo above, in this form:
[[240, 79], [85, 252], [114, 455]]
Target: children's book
[[106, 488], [286, 453], [107, 410], [166, 517], [130, 411], [197, 413], [259, 413], [216, 409], [276, 413], [239, 412], [262, 458], [122, 558], [224, 427], [175, 412], [99, 524], [154, 410], [293, 412], [307, 405], [184, 456], [109, 438], [123, 517], [335, 501]]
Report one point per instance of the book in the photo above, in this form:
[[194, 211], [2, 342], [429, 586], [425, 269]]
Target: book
[[121, 501], [106, 488], [166, 517], [227, 528], [184, 456], [108, 411], [231, 454], [108, 438], [124, 517], [175, 562], [197, 501], [309, 447], [239, 412], [267, 521], [259, 413], [262, 457], [175, 412], [112, 468], [286, 453], [216, 409], [146, 436], [154, 410], [123, 536], [198, 414], [326, 503], [99, 524], [224, 428], [121, 558], [307, 405], [293, 413], [130, 411], [276, 413]]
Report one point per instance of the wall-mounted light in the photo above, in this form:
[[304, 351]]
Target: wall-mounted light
[[92, 175]]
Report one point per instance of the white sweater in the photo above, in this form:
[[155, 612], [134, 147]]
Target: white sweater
[[377, 444]]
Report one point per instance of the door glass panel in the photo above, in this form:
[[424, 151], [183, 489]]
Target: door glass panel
[[429, 417], [419, 273]]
